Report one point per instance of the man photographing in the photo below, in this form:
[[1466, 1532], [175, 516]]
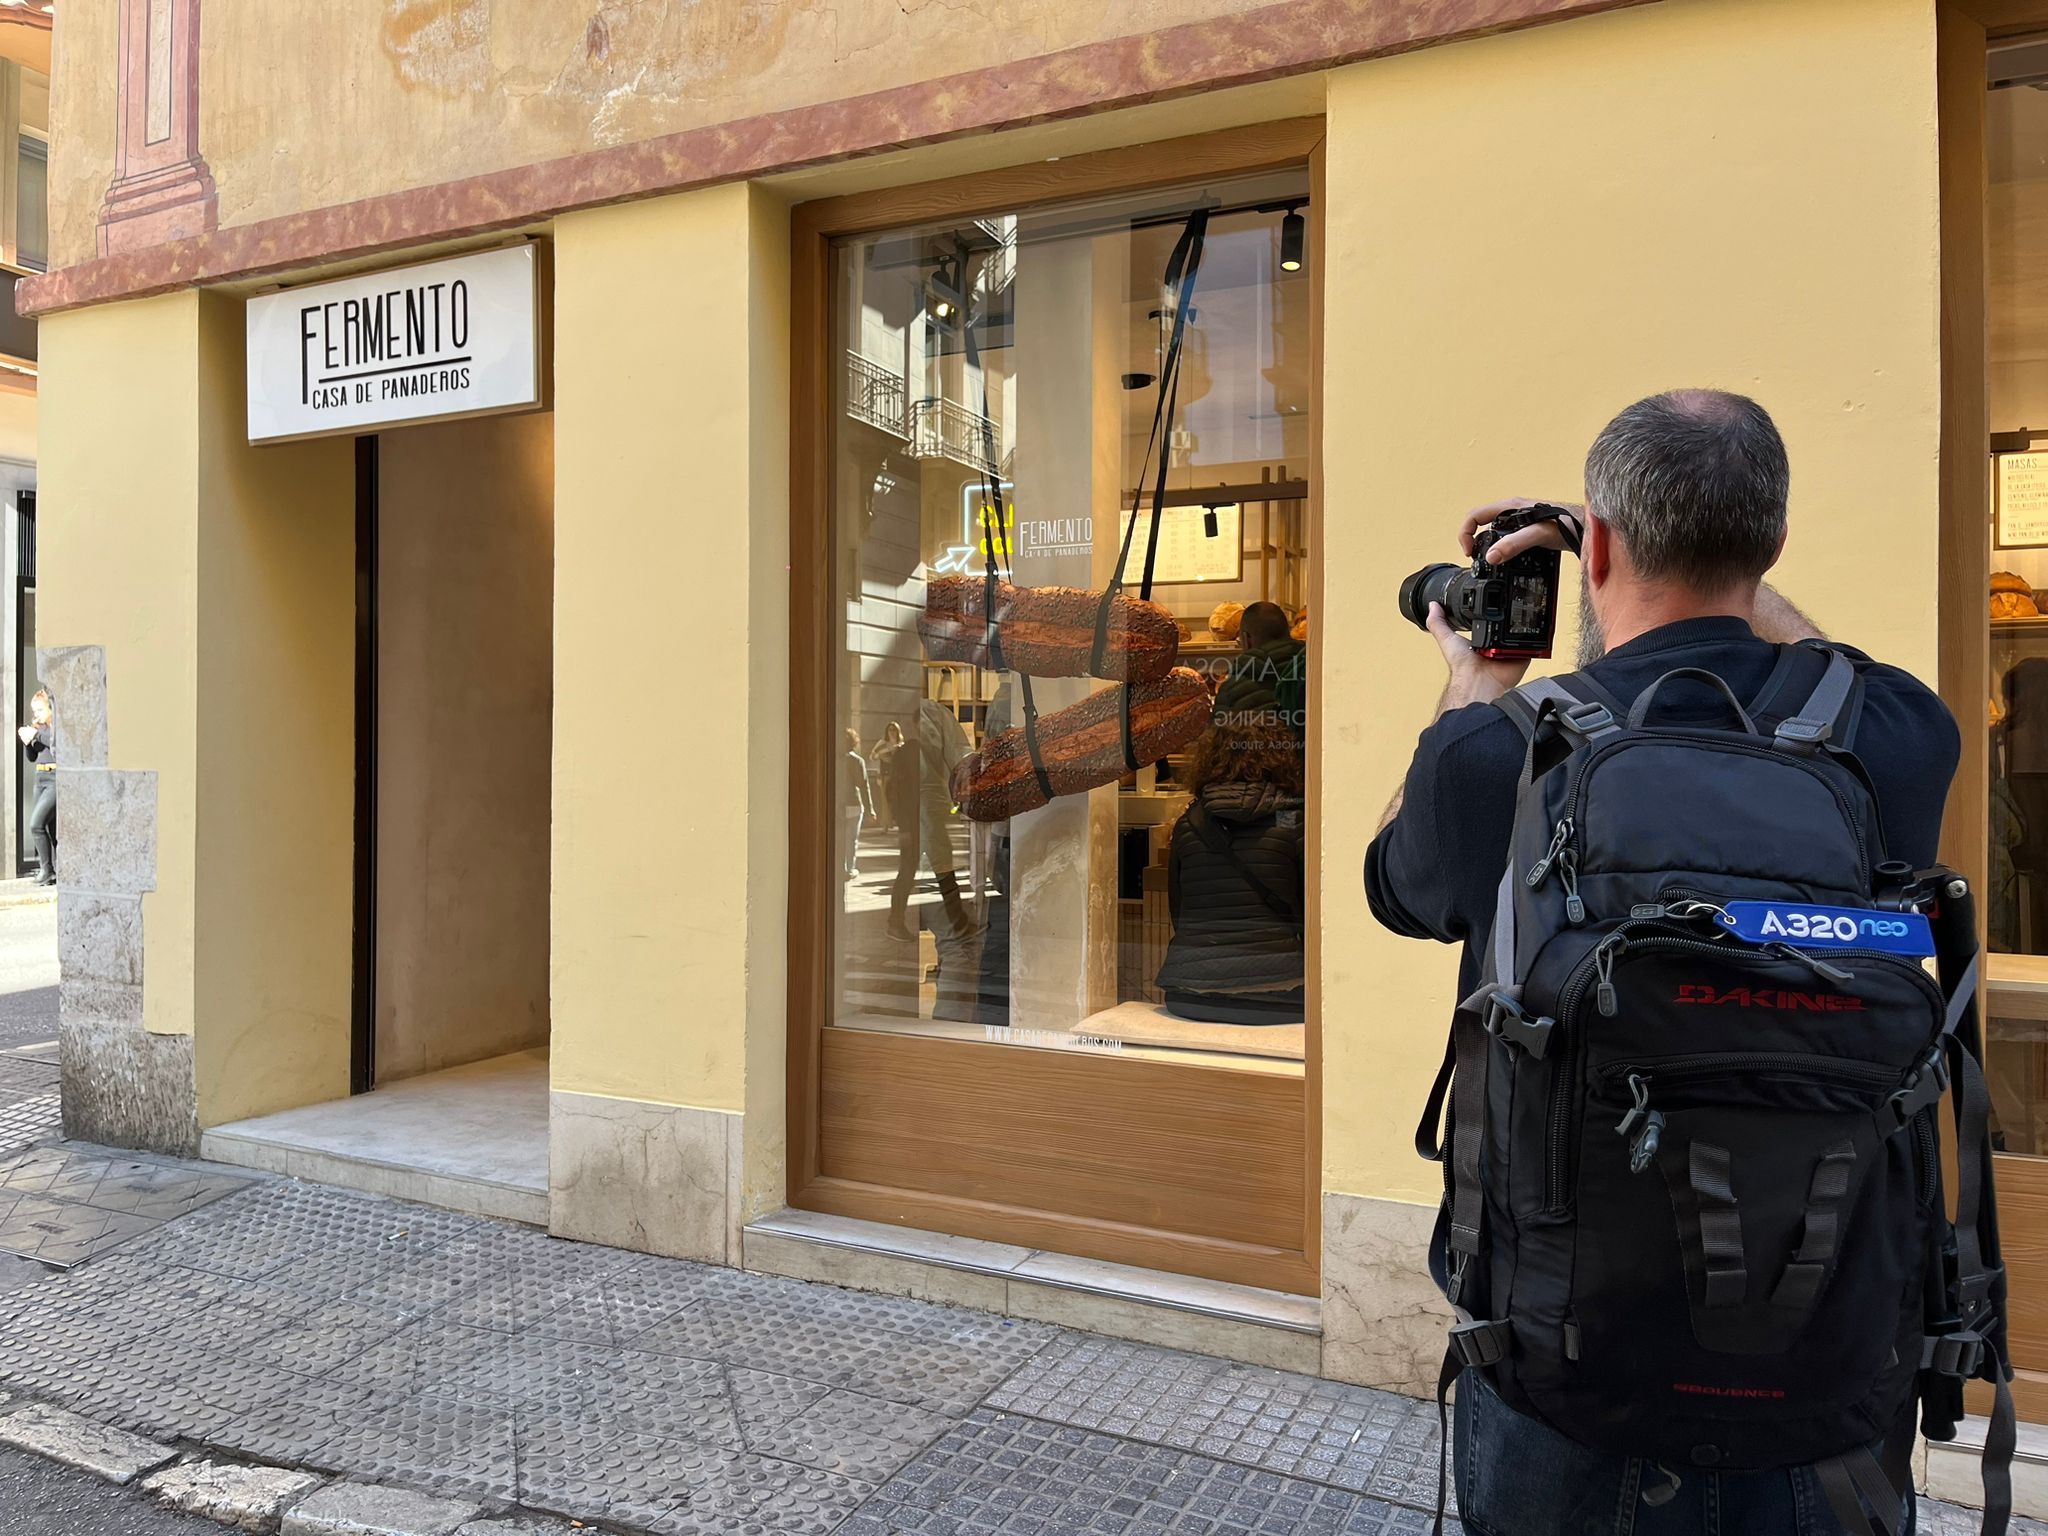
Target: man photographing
[[1685, 512]]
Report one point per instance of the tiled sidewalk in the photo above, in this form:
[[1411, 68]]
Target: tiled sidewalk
[[310, 1327]]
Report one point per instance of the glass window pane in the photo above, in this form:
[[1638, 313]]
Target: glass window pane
[[1009, 389]]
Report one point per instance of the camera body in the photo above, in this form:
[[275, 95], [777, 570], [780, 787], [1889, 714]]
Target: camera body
[[1510, 610]]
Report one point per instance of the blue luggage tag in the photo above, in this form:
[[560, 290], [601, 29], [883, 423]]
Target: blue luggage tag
[[1789, 922]]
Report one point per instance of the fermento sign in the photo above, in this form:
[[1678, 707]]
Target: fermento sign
[[458, 337]]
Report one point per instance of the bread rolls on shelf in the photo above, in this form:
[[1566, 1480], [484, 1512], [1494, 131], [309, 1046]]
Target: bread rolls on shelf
[[1046, 631], [1082, 746]]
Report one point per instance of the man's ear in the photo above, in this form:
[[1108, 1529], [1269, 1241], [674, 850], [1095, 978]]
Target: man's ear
[[1596, 551]]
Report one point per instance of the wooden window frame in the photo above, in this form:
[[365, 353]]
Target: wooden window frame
[[1106, 1082]]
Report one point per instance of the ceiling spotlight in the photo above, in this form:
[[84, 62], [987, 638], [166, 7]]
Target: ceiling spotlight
[[1293, 235], [1140, 380], [1209, 528], [944, 290]]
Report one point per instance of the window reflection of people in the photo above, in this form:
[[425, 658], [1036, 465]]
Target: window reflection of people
[[1270, 673], [886, 812], [857, 802], [39, 745], [919, 787], [1234, 879]]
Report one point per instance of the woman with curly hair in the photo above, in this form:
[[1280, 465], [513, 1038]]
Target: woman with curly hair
[[1234, 879]]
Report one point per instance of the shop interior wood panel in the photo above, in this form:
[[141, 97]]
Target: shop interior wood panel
[[1195, 1150]]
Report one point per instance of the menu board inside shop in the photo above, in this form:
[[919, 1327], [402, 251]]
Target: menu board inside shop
[[1188, 553], [2022, 499]]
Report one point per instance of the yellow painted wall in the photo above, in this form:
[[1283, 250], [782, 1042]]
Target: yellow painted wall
[[18, 425], [118, 566], [671, 666], [219, 578], [1527, 233], [355, 97]]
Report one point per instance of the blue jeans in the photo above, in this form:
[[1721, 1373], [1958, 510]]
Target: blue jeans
[[1518, 1477]]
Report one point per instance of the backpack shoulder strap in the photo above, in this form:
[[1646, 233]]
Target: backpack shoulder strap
[[1579, 706], [1218, 841], [1827, 716]]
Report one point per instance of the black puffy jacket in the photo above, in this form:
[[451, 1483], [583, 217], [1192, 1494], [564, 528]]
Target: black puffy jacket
[[1228, 937]]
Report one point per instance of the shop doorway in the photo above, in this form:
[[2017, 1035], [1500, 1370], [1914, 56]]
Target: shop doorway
[[454, 743], [1055, 999]]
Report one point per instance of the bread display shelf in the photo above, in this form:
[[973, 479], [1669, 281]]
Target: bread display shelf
[[2020, 626]]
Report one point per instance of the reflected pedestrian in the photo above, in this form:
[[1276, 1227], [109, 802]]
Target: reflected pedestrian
[[39, 745]]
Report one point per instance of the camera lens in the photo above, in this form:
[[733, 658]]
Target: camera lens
[[1431, 584]]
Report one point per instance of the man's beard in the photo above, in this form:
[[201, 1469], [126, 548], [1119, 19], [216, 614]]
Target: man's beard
[[1592, 644]]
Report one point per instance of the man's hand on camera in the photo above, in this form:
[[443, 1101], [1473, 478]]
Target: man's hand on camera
[[1475, 679], [1536, 536]]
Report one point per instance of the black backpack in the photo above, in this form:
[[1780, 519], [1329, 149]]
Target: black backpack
[[1694, 1206]]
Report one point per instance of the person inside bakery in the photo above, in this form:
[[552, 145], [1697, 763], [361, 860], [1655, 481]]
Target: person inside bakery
[[1270, 671], [1234, 877]]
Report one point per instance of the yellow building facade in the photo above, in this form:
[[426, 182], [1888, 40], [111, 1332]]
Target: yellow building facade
[[1521, 215]]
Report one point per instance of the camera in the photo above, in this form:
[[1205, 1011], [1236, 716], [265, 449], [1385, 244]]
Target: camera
[[1510, 610]]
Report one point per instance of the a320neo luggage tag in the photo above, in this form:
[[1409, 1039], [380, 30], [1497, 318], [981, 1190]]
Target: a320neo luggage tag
[[1787, 922]]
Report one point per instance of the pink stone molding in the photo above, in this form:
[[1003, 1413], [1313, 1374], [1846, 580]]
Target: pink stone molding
[[162, 190], [1288, 38]]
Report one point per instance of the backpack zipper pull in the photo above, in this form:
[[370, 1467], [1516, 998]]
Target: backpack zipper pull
[[1814, 963], [1603, 965], [1568, 872], [1540, 870], [1642, 1147]]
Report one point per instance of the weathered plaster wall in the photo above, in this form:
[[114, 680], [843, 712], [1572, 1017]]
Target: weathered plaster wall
[[356, 97], [465, 556]]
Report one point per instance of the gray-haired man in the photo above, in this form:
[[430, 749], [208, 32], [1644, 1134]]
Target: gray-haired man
[[1687, 497]]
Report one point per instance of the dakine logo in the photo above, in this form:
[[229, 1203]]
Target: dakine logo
[[1766, 1394], [1780, 999]]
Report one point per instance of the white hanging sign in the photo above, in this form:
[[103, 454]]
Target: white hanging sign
[[458, 337]]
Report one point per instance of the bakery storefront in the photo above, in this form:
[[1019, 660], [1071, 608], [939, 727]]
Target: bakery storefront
[[873, 756], [1071, 492]]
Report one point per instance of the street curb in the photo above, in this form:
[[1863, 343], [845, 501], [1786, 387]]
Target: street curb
[[248, 1498], [66, 1438]]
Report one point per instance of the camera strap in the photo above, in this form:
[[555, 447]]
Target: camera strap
[[995, 536], [1182, 266]]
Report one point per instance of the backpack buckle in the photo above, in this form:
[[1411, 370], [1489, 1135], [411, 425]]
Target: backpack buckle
[[1924, 1085], [1588, 718], [1804, 735], [1960, 1355], [1481, 1342], [1508, 1020]]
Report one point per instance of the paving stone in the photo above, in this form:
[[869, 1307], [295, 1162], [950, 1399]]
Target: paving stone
[[588, 1469], [417, 1355], [246, 1498], [77, 1442], [55, 1233], [746, 1495], [449, 1444], [30, 1120], [366, 1509], [299, 1425], [1008, 1473], [521, 1525], [159, 1191], [1352, 1437], [844, 1432]]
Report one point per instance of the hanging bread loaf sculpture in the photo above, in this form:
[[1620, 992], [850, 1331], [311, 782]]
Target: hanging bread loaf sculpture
[[1082, 745], [1046, 631]]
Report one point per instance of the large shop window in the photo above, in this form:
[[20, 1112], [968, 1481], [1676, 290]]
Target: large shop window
[[2016, 893], [1070, 452]]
